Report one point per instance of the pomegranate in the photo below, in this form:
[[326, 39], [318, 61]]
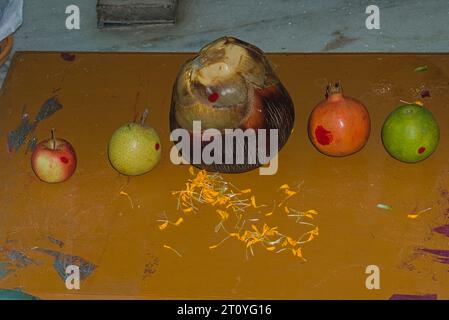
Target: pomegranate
[[339, 125]]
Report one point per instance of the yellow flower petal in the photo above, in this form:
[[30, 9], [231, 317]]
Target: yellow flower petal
[[290, 192], [223, 214], [163, 226]]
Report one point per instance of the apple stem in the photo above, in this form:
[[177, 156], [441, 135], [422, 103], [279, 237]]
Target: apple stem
[[144, 117], [53, 138]]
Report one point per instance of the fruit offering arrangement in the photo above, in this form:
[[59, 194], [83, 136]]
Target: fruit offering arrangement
[[231, 84]]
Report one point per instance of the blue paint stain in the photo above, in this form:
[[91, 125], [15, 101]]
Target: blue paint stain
[[6, 294], [62, 261], [55, 241], [5, 269], [19, 258]]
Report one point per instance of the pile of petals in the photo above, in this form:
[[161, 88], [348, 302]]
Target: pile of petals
[[210, 189]]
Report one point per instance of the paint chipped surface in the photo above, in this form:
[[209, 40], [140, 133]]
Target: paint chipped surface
[[48, 108], [442, 230], [5, 269], [62, 261], [32, 144], [55, 241], [16, 294], [442, 256], [150, 267], [19, 136], [323, 136], [20, 259], [413, 297]]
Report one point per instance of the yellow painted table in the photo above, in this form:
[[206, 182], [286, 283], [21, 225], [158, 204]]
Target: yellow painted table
[[89, 217]]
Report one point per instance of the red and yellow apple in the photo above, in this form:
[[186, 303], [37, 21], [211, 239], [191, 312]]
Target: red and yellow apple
[[53, 160]]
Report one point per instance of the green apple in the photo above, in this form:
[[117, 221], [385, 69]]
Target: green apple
[[134, 149]]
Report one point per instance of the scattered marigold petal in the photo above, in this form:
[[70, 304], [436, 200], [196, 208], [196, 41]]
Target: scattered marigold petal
[[210, 189], [123, 193], [253, 201], [223, 214], [297, 252], [179, 221], [417, 214], [163, 226], [175, 251], [291, 241]]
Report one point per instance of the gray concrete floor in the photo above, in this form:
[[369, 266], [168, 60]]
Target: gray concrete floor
[[274, 26]]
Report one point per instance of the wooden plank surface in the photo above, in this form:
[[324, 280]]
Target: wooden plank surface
[[124, 13], [88, 217]]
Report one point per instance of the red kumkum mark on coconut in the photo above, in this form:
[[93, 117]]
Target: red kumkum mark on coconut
[[323, 136], [157, 146], [213, 97], [64, 160], [421, 150]]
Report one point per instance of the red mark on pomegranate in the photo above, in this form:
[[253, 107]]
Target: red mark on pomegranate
[[64, 160], [421, 150], [157, 146], [323, 136], [213, 97]]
